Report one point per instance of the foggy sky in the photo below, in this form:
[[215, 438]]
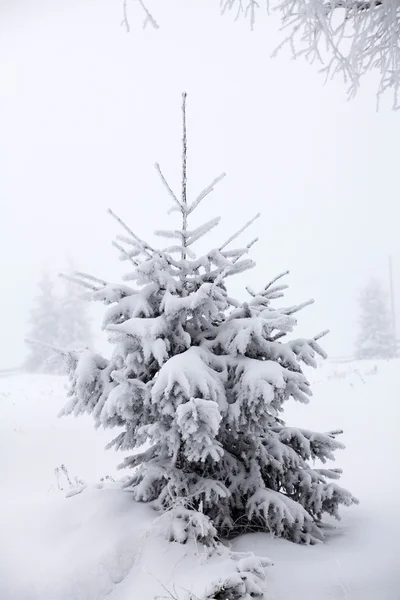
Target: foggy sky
[[86, 110]]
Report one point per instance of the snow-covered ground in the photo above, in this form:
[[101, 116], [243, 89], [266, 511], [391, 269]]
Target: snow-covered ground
[[99, 544]]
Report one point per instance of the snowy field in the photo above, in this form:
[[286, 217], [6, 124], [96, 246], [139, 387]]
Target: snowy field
[[99, 544]]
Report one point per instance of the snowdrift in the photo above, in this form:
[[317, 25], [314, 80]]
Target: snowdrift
[[98, 544]]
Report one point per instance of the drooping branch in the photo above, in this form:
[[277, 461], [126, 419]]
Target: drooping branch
[[248, 11], [148, 18], [125, 20]]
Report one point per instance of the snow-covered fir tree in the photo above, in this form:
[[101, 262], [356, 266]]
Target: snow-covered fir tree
[[377, 337], [198, 380], [59, 322], [44, 322], [74, 327]]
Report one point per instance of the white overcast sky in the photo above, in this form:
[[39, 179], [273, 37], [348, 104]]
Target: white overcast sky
[[86, 110]]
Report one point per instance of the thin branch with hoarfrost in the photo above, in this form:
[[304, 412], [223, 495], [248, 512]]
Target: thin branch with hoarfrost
[[348, 37], [90, 277], [124, 254], [248, 11], [79, 281], [165, 182], [148, 18], [358, 36], [205, 192], [237, 233], [125, 20], [141, 244]]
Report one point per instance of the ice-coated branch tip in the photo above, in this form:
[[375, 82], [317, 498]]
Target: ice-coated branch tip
[[334, 433], [168, 187], [239, 231], [90, 277], [143, 245], [207, 190], [55, 349], [78, 281], [125, 253], [149, 17], [125, 20], [283, 274], [250, 291], [251, 244], [298, 307], [245, 250], [322, 334]]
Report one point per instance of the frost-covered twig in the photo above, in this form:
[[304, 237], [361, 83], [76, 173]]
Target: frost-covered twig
[[165, 182], [90, 277], [141, 244], [239, 231], [125, 20], [79, 281], [249, 11], [205, 192], [125, 254], [348, 37], [148, 19], [55, 349]]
